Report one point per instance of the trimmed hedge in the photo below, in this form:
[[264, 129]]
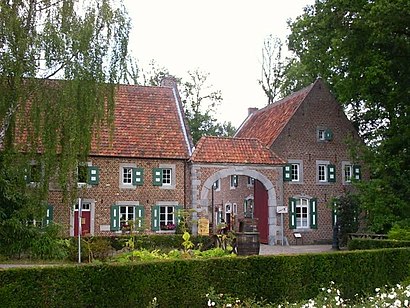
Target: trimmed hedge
[[368, 243], [184, 283]]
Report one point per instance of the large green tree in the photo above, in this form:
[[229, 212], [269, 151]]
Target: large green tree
[[59, 63], [362, 49]]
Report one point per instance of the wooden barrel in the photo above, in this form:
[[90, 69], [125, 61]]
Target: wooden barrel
[[248, 225], [247, 243]]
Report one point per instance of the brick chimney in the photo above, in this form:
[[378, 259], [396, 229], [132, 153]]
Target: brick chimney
[[169, 81], [252, 110]]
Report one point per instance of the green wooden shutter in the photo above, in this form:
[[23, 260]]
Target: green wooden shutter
[[157, 177], [287, 172], [331, 173], [328, 135], [357, 172], [139, 216], [49, 215], [155, 218], [137, 176], [313, 213], [93, 175], [292, 213], [115, 218], [178, 214]]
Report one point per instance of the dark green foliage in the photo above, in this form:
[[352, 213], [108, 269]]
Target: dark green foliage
[[367, 243], [184, 283], [347, 209], [400, 232]]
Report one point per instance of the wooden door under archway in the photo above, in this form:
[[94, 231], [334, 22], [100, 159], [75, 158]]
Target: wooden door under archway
[[261, 211]]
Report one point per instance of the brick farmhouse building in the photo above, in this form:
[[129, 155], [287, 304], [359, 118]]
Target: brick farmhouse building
[[284, 165]]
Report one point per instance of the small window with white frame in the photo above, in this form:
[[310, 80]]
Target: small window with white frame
[[166, 176], [295, 172], [167, 219], [233, 181], [322, 172], [302, 213], [251, 181], [217, 185], [347, 172], [321, 135], [127, 176]]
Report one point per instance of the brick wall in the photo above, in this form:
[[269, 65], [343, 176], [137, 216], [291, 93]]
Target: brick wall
[[108, 191], [298, 141]]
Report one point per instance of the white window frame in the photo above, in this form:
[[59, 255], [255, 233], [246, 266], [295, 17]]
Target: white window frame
[[122, 167], [250, 181], [126, 205], [86, 165], [346, 165], [321, 134], [232, 181], [217, 185], [166, 205], [302, 204], [166, 184], [324, 164], [299, 164], [166, 176]]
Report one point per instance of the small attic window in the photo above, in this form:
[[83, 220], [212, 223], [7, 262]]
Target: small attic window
[[324, 134], [321, 134]]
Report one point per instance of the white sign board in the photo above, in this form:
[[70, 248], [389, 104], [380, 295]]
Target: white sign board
[[282, 209]]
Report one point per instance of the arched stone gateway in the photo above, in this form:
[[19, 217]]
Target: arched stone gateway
[[242, 162], [204, 176]]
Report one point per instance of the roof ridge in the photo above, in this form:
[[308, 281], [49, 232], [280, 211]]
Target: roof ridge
[[306, 89]]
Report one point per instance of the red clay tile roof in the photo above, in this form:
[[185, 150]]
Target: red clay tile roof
[[266, 124], [233, 150], [147, 123]]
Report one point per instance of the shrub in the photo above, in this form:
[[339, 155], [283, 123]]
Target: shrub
[[367, 243], [184, 283], [399, 232]]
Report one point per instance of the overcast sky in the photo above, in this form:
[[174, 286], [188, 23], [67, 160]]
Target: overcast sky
[[221, 37]]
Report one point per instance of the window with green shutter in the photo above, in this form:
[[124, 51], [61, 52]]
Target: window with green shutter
[[357, 172], [331, 172], [115, 218], [313, 213], [292, 213], [137, 176], [287, 172], [93, 175], [157, 176]]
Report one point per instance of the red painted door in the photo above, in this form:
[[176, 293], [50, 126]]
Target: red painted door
[[261, 210], [85, 220]]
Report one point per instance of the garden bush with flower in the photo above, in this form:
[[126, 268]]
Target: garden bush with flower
[[396, 296]]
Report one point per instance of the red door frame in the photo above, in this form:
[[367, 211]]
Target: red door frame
[[85, 219], [261, 211]]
